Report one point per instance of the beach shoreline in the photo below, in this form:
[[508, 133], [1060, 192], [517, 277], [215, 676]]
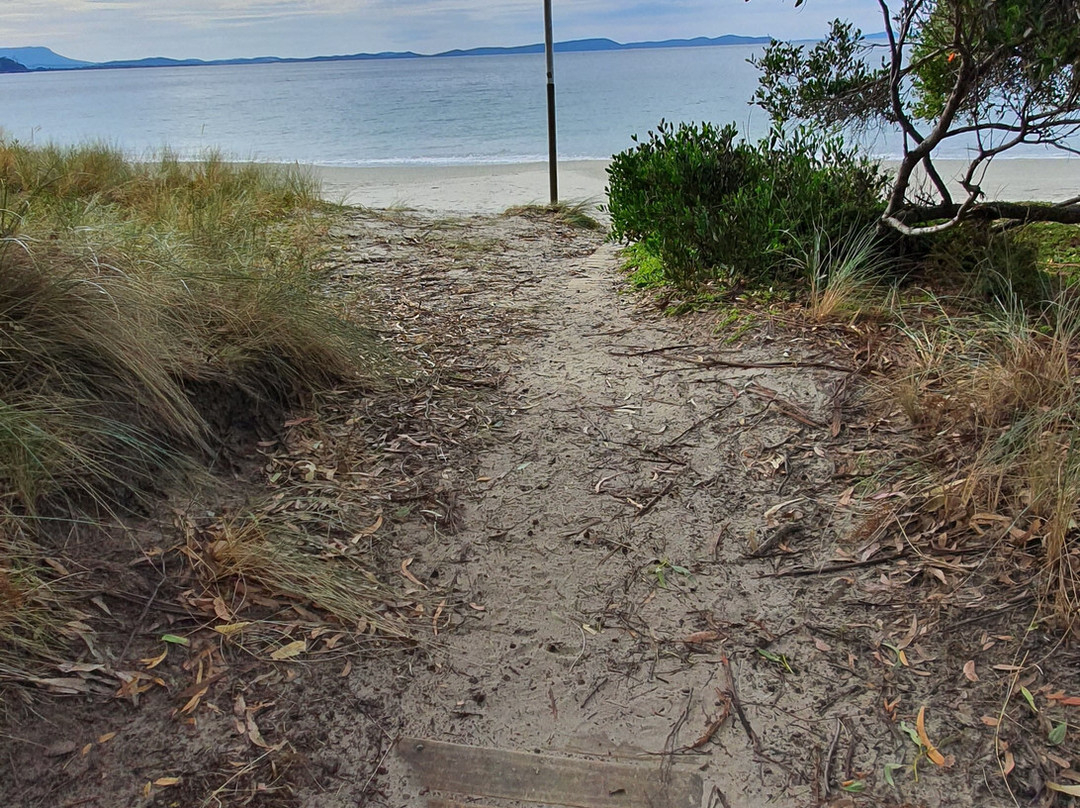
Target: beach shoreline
[[492, 188]]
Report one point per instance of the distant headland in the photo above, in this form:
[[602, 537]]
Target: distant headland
[[41, 59]]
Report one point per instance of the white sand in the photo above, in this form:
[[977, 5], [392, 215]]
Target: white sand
[[464, 189], [494, 188]]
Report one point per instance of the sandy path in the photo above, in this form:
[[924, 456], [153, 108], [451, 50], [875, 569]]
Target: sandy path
[[611, 518]]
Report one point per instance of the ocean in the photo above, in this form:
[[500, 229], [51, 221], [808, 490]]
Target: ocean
[[439, 111]]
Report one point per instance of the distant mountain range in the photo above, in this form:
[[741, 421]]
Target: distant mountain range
[[38, 59]]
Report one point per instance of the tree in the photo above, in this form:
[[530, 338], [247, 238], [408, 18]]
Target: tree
[[996, 73]]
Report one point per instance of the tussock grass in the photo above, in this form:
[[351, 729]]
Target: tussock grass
[[145, 308], [1003, 390], [575, 214], [846, 276]]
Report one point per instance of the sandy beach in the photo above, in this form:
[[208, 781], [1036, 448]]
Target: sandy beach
[[493, 188]]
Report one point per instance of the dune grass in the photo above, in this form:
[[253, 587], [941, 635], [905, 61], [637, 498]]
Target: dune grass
[[144, 308], [998, 390]]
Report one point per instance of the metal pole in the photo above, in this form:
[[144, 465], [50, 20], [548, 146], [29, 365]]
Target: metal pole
[[549, 49]]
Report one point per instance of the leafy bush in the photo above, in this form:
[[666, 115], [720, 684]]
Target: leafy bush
[[995, 266], [711, 205]]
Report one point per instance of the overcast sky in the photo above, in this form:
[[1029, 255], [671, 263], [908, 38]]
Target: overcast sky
[[98, 30]]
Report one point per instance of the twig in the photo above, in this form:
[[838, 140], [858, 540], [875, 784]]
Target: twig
[[603, 681], [848, 565], [669, 743], [648, 506], [142, 616], [829, 757], [737, 704], [701, 421], [727, 363], [651, 350]]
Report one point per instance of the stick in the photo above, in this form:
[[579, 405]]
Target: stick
[[726, 363], [651, 350], [803, 571], [648, 506], [733, 693], [829, 757]]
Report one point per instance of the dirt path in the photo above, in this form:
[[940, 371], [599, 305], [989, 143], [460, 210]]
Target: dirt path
[[612, 521], [643, 555]]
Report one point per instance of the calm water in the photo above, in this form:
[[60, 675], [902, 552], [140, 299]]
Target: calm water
[[461, 110], [453, 110]]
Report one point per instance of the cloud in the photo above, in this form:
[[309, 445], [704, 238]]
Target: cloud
[[111, 29]]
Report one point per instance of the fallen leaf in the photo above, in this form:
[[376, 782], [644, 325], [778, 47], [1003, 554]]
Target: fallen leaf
[[86, 749], [153, 662], [193, 702], [990, 720], [175, 640], [822, 646], [370, 530], [1009, 764], [345, 670], [165, 782], [1072, 791], [229, 629], [108, 736], [289, 651], [931, 751], [253, 733], [969, 671], [408, 575]]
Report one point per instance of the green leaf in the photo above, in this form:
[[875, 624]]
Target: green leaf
[[1057, 734], [889, 769], [853, 786], [175, 640], [910, 730], [1030, 699]]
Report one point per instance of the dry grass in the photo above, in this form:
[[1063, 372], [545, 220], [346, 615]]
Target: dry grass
[[846, 277], [996, 397], [144, 309]]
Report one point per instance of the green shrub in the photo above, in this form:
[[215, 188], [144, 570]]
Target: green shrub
[[712, 206], [995, 266]]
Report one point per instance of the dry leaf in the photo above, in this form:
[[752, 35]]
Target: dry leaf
[[931, 751], [1009, 764], [1072, 791], [193, 702], [231, 628], [990, 720], [153, 662], [108, 736], [367, 531], [969, 671], [345, 671], [822, 646], [165, 782], [405, 571], [86, 749], [289, 651], [253, 732]]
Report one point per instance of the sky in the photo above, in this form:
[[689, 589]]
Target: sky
[[100, 30]]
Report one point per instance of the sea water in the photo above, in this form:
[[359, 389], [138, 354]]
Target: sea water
[[457, 110], [471, 109]]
